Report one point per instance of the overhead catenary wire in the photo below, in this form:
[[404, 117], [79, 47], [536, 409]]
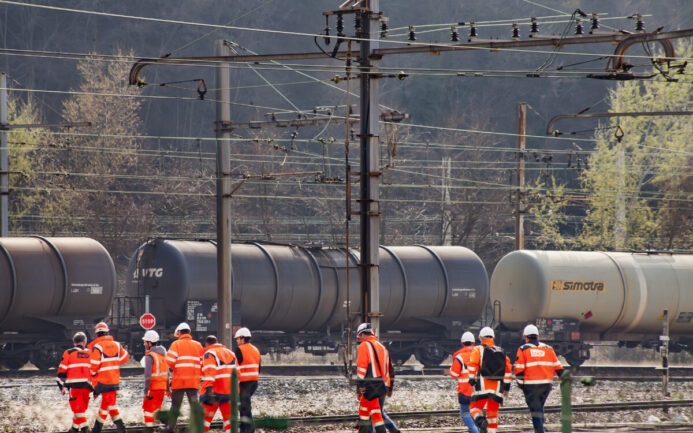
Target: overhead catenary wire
[[270, 31]]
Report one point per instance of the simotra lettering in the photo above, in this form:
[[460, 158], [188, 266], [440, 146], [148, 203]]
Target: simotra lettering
[[577, 286]]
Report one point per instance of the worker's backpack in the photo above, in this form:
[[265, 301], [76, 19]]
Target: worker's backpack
[[492, 363]]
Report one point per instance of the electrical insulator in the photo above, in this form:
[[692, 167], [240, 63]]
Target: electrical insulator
[[595, 23], [327, 31], [454, 36], [639, 23], [412, 33], [383, 26], [535, 25], [472, 30], [516, 31], [340, 25], [579, 28]]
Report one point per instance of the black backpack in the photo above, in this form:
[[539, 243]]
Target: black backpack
[[492, 363]]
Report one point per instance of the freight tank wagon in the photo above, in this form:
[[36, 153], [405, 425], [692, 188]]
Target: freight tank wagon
[[293, 296], [579, 297], [49, 289]]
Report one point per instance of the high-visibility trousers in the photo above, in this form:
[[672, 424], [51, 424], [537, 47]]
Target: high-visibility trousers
[[79, 403], [491, 412], [151, 405], [211, 410], [370, 412], [109, 406]]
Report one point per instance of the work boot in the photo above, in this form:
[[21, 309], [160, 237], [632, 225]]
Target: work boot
[[380, 429], [72, 430], [120, 426], [97, 427], [84, 430], [482, 423]]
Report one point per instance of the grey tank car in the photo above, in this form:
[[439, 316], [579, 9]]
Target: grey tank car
[[49, 289], [293, 296]]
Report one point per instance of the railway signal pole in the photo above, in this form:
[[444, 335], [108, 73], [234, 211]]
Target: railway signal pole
[[520, 206]]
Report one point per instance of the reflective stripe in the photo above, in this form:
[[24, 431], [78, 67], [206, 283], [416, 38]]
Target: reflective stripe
[[542, 363], [79, 380], [96, 361], [113, 367], [193, 358], [248, 366], [78, 365], [185, 364], [251, 373], [537, 381], [209, 378]]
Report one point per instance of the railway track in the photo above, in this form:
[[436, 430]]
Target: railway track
[[604, 372], [351, 419]]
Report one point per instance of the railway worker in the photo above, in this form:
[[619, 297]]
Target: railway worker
[[218, 363], [74, 373], [459, 370], [372, 364], [106, 357], [490, 373], [183, 358], [534, 369], [155, 378], [248, 365]]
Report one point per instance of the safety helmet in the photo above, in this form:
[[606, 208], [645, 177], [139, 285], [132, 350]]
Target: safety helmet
[[530, 330], [467, 337], [243, 332], [486, 332], [182, 327], [364, 327], [101, 327], [151, 336]]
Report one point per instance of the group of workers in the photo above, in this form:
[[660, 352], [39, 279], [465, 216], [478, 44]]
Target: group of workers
[[483, 372], [203, 374]]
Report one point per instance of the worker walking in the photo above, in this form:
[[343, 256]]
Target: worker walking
[[373, 378], [155, 378], [74, 374], [535, 367], [183, 358], [218, 363], [490, 373], [458, 369], [248, 365], [106, 357]]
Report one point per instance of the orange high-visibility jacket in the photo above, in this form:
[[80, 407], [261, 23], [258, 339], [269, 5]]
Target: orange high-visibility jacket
[[248, 362], [183, 357], [487, 388], [365, 360], [218, 363], [75, 368], [459, 370], [536, 364], [159, 379], [106, 357]]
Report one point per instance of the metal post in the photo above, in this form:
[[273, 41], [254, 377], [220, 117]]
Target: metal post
[[520, 205], [370, 168], [566, 403], [223, 113], [4, 160], [446, 213], [664, 351]]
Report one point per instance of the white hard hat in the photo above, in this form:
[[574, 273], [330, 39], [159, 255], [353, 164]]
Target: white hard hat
[[486, 332], [151, 336], [243, 332], [182, 327], [530, 330], [101, 327], [467, 337], [364, 327]]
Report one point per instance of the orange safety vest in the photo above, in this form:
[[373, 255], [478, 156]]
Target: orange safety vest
[[536, 364], [159, 380], [218, 363], [488, 388], [183, 357], [365, 360], [249, 368], [106, 357], [75, 368], [459, 370]]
